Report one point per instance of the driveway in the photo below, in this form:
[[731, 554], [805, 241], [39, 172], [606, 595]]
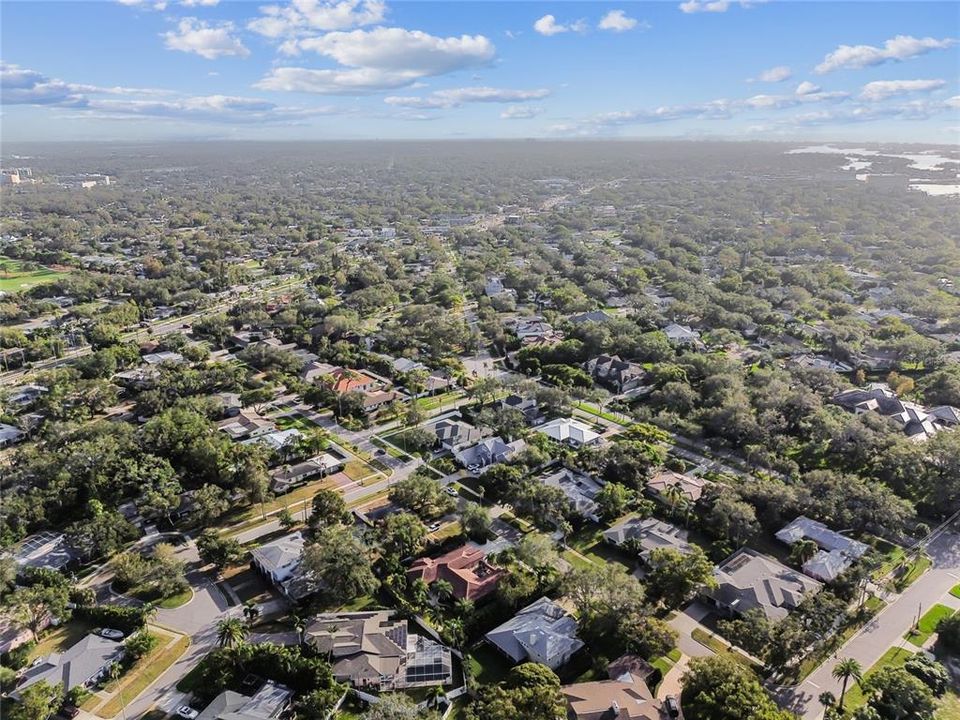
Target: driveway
[[887, 629]]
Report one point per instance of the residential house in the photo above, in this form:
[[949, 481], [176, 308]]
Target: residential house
[[454, 432], [597, 316], [246, 425], [378, 398], [488, 452], [581, 490], [46, 550], [316, 369], [280, 441], [748, 580], [165, 356], [837, 552], [344, 380], [542, 632], [288, 477], [10, 435], [917, 422], [691, 488], [617, 374], [526, 406], [682, 335], [82, 665], [269, 702], [535, 327], [375, 650], [570, 432], [24, 395], [465, 568], [646, 535], [624, 698], [494, 287], [820, 362], [280, 561]]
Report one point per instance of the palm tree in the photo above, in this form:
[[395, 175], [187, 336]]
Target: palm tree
[[844, 670], [443, 590], [231, 632], [435, 695]]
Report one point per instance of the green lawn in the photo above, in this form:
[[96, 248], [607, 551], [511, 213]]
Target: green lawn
[[143, 674], [14, 279], [949, 707], [928, 624], [175, 601], [665, 662], [894, 657], [917, 568], [720, 647], [955, 591], [487, 665], [436, 401]]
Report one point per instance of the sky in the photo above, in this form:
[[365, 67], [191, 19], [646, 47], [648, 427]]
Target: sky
[[156, 70]]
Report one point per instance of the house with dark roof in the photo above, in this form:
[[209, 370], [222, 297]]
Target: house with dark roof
[[597, 316], [453, 433], [542, 632], [374, 649], [619, 375], [82, 665], [465, 568], [916, 422], [527, 406], [286, 478], [748, 580]]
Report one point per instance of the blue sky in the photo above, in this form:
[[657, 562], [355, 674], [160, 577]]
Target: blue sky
[[330, 69]]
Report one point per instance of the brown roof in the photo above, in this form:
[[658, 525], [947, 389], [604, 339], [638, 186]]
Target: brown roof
[[465, 568], [626, 699]]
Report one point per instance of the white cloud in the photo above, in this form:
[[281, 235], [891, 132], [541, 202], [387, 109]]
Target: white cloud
[[617, 21], [953, 102], [159, 5], [901, 47], [716, 6], [378, 59], [773, 75], [806, 88], [199, 3], [883, 89], [520, 112], [21, 86], [455, 97], [304, 16], [548, 25], [207, 40]]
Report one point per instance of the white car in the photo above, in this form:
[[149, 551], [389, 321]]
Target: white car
[[473, 468], [186, 712], [451, 491], [110, 633], [433, 527]]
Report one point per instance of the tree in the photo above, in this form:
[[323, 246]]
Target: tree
[[948, 633], [443, 590], [933, 674], [33, 606], [530, 691], [614, 500], [103, 534], [210, 503], [286, 519], [421, 493], [396, 706], [845, 670], [253, 475], [674, 576], [897, 695], [476, 521], [802, 551], [720, 688], [38, 702], [401, 535], [340, 562], [329, 508], [231, 632], [219, 551]]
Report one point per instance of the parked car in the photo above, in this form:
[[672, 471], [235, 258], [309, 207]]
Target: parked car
[[109, 633], [473, 468], [673, 707], [186, 712], [433, 527], [451, 491]]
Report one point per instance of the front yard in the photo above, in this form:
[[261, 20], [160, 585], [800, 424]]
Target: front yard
[[928, 624]]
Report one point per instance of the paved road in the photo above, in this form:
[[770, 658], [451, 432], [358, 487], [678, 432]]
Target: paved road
[[887, 629]]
